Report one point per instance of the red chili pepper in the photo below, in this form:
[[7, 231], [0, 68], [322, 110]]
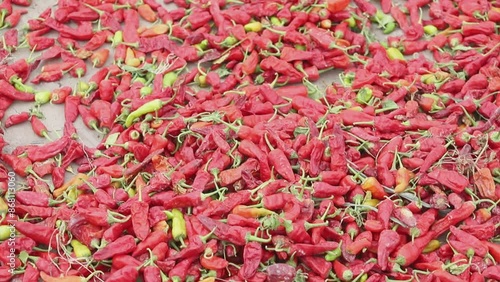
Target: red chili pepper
[[139, 212], [252, 255], [121, 246], [318, 265], [49, 150], [17, 119], [8, 91], [127, 273], [342, 271], [39, 233], [42, 212], [281, 164], [213, 263], [13, 19], [453, 217], [476, 244], [388, 241], [409, 252], [451, 179]]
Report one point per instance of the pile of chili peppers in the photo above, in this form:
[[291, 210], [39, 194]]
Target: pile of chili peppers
[[221, 160]]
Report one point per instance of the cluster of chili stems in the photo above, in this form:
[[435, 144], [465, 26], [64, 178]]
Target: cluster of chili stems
[[241, 168]]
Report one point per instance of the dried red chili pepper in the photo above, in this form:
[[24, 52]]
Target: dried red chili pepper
[[252, 255], [122, 245]]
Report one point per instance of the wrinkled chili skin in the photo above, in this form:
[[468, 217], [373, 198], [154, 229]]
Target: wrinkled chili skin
[[252, 255], [242, 163]]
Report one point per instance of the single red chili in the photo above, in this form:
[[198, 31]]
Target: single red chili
[[252, 255], [122, 245], [17, 119]]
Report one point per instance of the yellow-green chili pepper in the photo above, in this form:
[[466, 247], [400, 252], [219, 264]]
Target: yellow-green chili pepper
[[430, 29], [389, 27], [169, 79], [81, 251], [394, 54], [42, 97], [253, 26], [151, 106], [145, 91], [276, 21], [364, 95], [23, 87], [4, 232], [178, 225], [117, 38]]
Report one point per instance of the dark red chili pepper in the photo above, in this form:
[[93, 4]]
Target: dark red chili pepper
[[473, 242], [232, 200], [318, 265], [233, 234], [42, 212]]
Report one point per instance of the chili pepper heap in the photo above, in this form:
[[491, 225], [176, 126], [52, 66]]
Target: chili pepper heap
[[219, 157]]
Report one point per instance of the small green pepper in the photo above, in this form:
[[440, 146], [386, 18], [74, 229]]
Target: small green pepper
[[229, 41], [334, 254], [42, 97], [430, 29], [4, 232], [139, 79], [145, 91], [389, 27], [351, 22], [203, 45], [82, 87], [364, 95], [169, 79], [117, 38], [300, 47], [394, 54], [276, 21]]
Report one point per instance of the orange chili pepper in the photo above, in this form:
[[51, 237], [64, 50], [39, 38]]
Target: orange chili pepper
[[161, 225], [403, 177], [99, 57], [71, 278], [372, 185], [200, 124], [147, 13], [155, 30], [77, 180], [160, 163], [130, 59], [250, 212], [485, 183]]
